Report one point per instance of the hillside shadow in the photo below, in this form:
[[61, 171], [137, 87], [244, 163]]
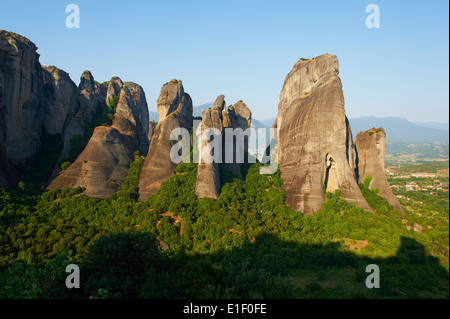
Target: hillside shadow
[[263, 267]]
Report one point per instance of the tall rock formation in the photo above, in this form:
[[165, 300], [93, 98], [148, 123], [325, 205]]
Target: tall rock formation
[[61, 99], [38, 102], [104, 163], [175, 110], [208, 176], [315, 144], [35, 101], [21, 95], [370, 159], [220, 119]]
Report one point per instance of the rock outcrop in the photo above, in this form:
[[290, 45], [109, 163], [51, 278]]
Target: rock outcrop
[[104, 163], [22, 95], [208, 175], [220, 119], [175, 111], [151, 130], [315, 144], [34, 97], [61, 101], [370, 159]]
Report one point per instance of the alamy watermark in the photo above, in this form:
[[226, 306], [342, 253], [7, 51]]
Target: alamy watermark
[[73, 280], [373, 19], [212, 145], [373, 280], [73, 19]]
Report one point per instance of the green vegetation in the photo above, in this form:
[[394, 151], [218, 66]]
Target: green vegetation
[[65, 165], [245, 244], [37, 169], [374, 130]]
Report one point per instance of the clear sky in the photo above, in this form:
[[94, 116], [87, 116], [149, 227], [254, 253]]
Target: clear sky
[[244, 49]]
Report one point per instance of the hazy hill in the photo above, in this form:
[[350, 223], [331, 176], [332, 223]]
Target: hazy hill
[[400, 130], [436, 125]]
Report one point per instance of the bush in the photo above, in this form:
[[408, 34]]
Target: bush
[[65, 165]]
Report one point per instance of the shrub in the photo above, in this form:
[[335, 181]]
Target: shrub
[[65, 165]]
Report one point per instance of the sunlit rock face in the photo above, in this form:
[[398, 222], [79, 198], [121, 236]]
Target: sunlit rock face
[[314, 135], [175, 111], [371, 156]]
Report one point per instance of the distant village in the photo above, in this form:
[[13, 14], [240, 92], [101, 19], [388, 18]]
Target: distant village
[[431, 185]]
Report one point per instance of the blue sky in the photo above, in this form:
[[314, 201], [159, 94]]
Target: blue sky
[[244, 49]]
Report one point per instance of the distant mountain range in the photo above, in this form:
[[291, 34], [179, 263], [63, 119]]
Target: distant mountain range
[[397, 129], [401, 130]]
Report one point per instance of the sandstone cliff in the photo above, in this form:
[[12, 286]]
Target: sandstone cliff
[[371, 153], [175, 110], [314, 137], [151, 130], [104, 163], [208, 176], [218, 118], [21, 95]]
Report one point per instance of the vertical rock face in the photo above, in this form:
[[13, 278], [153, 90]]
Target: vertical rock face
[[151, 130], [91, 95], [140, 102], [114, 87], [172, 100], [61, 99], [371, 153], [5, 171], [34, 97], [175, 110], [208, 175], [21, 91], [104, 163], [314, 137]]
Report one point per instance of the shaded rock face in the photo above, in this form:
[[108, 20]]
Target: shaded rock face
[[104, 163], [151, 130], [208, 173], [114, 87], [61, 99], [175, 110], [34, 97], [371, 153], [37, 99], [91, 96], [141, 109], [5, 170], [22, 95], [314, 137]]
